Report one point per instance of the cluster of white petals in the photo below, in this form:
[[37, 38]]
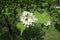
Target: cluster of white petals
[[27, 18], [47, 23], [58, 7]]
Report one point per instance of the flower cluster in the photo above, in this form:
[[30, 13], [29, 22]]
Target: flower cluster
[[58, 7], [47, 23], [27, 18]]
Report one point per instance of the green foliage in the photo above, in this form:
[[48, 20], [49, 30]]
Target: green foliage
[[6, 12], [42, 18], [21, 27], [10, 11], [33, 33], [58, 10], [51, 0]]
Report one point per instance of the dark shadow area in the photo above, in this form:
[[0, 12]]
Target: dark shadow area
[[16, 34], [57, 26], [5, 36], [33, 33]]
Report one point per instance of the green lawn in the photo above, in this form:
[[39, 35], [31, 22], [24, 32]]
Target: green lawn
[[52, 34]]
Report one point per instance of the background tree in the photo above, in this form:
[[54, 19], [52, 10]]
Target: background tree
[[11, 10]]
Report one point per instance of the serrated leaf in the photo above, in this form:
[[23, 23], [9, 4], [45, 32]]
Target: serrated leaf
[[21, 27], [42, 18]]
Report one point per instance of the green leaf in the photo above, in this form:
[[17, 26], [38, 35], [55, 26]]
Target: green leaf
[[6, 12], [58, 10], [21, 27], [45, 28], [51, 0], [42, 18]]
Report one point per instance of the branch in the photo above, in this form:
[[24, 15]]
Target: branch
[[8, 26]]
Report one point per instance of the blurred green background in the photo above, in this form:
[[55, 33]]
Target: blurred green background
[[44, 10]]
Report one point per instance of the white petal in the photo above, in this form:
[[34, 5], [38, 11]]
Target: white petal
[[35, 19], [48, 23], [31, 14], [24, 22], [30, 23], [27, 26], [22, 19], [30, 18], [25, 13]]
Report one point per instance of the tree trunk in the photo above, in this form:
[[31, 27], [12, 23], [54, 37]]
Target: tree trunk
[[8, 25]]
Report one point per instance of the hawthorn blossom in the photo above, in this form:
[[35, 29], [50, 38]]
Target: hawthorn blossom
[[47, 23], [27, 18]]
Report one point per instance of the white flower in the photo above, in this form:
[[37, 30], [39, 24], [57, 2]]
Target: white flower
[[47, 23], [58, 7], [25, 13], [27, 26], [27, 18], [35, 19], [31, 14]]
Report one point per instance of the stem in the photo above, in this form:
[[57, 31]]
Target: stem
[[27, 5], [58, 2]]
